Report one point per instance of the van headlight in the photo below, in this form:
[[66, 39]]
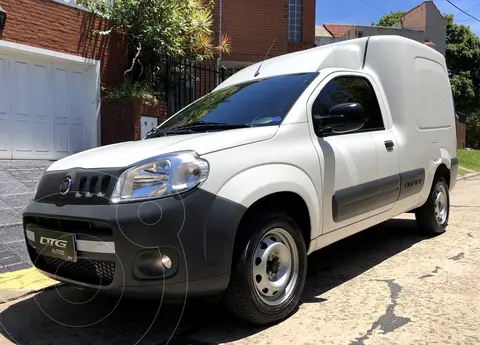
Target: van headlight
[[161, 176]]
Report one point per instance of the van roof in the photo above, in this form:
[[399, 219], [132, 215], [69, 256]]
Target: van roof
[[348, 54]]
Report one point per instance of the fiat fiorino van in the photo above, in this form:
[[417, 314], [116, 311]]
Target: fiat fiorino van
[[228, 196]]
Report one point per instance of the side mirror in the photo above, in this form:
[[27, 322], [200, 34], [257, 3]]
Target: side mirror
[[343, 118]]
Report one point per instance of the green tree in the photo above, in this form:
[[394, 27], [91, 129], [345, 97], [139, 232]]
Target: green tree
[[462, 55], [156, 29], [473, 128], [171, 27], [390, 19]]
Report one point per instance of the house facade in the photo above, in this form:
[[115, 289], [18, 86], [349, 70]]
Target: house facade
[[423, 23], [53, 68], [255, 26]]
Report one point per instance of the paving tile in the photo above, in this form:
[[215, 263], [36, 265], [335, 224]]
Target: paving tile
[[19, 249], [17, 181], [11, 216], [24, 163], [28, 174], [20, 200], [4, 175], [11, 188], [11, 234], [14, 259], [19, 266], [30, 184], [3, 204], [5, 253]]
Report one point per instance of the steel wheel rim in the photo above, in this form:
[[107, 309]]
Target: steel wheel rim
[[275, 267], [441, 205]]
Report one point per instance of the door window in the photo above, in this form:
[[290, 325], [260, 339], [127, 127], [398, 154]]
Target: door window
[[346, 90]]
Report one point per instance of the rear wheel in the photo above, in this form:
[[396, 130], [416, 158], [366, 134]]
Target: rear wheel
[[269, 276], [433, 216]]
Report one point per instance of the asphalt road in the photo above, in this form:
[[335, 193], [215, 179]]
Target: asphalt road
[[17, 182], [387, 285]]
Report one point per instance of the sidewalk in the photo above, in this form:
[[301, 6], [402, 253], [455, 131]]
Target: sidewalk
[[17, 182]]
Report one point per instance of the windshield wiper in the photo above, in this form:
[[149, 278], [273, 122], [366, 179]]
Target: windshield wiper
[[214, 125], [196, 127], [155, 132]]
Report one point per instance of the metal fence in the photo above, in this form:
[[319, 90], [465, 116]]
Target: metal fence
[[182, 81]]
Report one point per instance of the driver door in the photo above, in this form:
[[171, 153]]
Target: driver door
[[360, 169]]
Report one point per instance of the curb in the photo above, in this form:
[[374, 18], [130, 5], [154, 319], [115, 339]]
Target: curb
[[459, 177], [14, 285]]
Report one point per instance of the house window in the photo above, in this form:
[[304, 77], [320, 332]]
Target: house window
[[295, 21]]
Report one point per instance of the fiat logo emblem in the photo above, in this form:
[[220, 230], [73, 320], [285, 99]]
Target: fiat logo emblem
[[65, 185]]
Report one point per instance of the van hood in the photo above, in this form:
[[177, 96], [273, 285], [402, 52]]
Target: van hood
[[127, 153]]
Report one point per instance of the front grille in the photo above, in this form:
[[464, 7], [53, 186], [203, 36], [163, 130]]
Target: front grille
[[95, 272], [93, 186], [89, 186]]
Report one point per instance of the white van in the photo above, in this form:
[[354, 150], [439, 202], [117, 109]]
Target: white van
[[230, 195]]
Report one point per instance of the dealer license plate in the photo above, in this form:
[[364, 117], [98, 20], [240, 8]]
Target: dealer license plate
[[56, 244]]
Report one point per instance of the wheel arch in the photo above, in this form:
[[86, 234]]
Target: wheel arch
[[442, 171], [442, 167], [447, 167], [291, 203], [275, 185], [290, 184]]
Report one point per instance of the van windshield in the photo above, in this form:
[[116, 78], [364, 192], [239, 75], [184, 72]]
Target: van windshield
[[263, 102]]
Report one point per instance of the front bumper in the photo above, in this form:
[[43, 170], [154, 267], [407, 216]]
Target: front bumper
[[119, 246]]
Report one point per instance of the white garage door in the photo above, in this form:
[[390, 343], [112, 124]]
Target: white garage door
[[45, 107]]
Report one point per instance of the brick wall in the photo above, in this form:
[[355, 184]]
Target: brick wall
[[415, 19], [125, 118], [140, 108], [253, 26], [50, 25]]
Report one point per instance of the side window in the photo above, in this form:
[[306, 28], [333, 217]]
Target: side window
[[346, 90]]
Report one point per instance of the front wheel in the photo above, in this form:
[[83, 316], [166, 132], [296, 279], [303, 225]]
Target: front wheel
[[433, 216], [268, 279]]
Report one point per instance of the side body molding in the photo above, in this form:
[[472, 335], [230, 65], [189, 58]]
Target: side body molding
[[356, 200]]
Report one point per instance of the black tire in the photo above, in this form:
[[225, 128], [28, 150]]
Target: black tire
[[427, 214], [242, 297]]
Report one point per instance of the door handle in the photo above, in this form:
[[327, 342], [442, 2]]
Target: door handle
[[389, 145]]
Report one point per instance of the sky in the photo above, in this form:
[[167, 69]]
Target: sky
[[363, 12]]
